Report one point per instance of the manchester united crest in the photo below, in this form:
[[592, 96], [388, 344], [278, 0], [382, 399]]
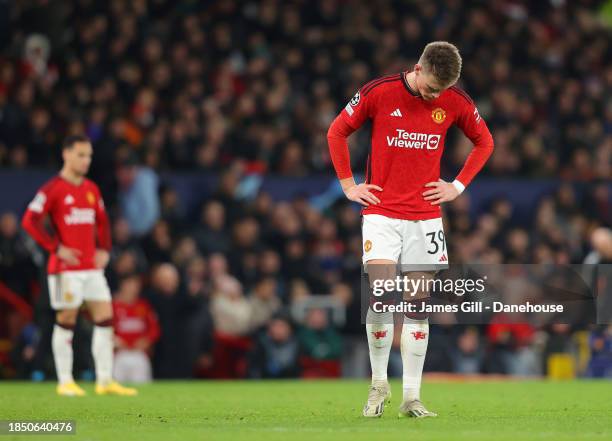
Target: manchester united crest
[[91, 198], [438, 115]]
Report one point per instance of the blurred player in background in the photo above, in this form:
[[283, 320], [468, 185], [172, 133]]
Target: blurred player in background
[[78, 249], [411, 113]]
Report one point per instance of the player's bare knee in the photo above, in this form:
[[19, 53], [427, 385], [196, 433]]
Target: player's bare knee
[[419, 297], [101, 312], [66, 318], [380, 269]]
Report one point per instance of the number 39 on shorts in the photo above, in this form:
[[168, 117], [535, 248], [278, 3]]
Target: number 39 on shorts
[[436, 242]]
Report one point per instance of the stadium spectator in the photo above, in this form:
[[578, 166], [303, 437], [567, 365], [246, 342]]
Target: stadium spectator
[[264, 301], [127, 255], [210, 233], [138, 196], [601, 242], [16, 266], [321, 346], [468, 354], [558, 341], [229, 307], [24, 351], [231, 313], [276, 351], [510, 348], [174, 307], [600, 342], [136, 332]]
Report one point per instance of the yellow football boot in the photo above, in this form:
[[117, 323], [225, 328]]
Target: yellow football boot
[[114, 388], [70, 390]]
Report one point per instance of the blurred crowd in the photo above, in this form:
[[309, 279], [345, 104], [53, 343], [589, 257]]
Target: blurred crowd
[[198, 85], [217, 298], [253, 287]]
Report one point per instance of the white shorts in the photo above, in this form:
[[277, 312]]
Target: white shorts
[[69, 289], [418, 245]]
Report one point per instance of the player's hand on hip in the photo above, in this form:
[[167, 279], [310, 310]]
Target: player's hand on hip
[[440, 191], [101, 258], [68, 255], [361, 194]]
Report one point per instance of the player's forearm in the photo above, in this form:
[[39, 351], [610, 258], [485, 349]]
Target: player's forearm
[[33, 225], [104, 232], [475, 162], [347, 183], [338, 148], [153, 334]]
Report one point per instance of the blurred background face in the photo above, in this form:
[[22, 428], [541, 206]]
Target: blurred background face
[[217, 265], [229, 287], [8, 225], [166, 279], [266, 288], [213, 215], [317, 319], [601, 241], [77, 159], [129, 289], [121, 231], [279, 330]]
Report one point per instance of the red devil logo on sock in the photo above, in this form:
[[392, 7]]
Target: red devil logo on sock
[[379, 334], [419, 335]]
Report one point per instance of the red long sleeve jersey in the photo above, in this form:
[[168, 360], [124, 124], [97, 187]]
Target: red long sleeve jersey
[[408, 135], [78, 218], [133, 321]]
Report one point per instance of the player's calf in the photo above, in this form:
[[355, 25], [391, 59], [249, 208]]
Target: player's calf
[[413, 345], [379, 328], [61, 345]]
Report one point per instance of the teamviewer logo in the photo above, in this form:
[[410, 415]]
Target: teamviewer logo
[[413, 140], [433, 141]]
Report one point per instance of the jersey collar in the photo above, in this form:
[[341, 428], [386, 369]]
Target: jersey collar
[[70, 183], [410, 90]]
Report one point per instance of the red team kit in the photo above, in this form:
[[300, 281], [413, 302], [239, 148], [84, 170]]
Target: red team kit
[[407, 130]]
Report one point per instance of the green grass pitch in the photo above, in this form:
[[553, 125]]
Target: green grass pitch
[[317, 410]]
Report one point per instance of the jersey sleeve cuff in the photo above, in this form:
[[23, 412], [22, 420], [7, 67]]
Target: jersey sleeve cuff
[[459, 186]]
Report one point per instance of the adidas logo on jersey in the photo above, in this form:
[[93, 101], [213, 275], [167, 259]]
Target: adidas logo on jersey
[[413, 140], [443, 258], [396, 112], [68, 200]]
